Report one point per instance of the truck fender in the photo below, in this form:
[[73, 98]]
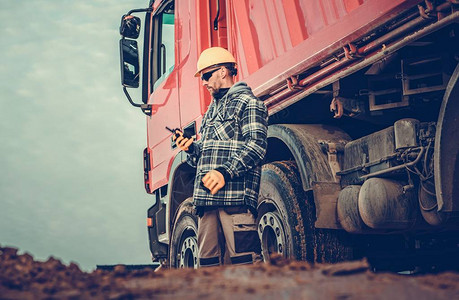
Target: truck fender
[[305, 143], [446, 154], [314, 147]]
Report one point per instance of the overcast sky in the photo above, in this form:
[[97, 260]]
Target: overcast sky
[[71, 145]]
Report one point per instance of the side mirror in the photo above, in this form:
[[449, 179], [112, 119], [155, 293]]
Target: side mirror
[[130, 26], [130, 70]]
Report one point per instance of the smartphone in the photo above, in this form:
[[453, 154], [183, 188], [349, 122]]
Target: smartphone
[[185, 134]]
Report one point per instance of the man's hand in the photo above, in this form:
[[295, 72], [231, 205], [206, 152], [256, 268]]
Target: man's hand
[[182, 142], [214, 181]]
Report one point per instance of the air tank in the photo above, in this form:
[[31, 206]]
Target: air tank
[[348, 210], [387, 204]]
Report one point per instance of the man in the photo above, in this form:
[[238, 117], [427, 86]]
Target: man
[[228, 161]]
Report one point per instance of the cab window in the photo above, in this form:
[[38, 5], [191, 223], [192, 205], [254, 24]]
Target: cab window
[[163, 41]]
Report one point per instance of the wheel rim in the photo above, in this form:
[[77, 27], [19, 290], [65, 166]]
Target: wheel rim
[[272, 235], [189, 253]]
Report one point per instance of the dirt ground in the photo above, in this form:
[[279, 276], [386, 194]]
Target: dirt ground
[[21, 277]]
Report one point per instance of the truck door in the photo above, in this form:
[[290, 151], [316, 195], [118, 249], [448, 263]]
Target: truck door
[[163, 90]]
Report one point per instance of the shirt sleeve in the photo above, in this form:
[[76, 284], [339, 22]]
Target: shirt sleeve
[[254, 127]]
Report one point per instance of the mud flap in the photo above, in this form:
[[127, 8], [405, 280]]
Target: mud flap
[[326, 199]]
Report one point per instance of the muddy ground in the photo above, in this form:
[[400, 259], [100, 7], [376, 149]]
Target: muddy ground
[[22, 277]]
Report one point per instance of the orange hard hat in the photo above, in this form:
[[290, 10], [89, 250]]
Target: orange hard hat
[[213, 56]]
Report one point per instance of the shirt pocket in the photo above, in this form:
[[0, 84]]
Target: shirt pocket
[[225, 127]]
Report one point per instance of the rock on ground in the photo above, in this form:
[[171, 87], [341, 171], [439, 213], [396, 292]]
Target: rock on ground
[[21, 277]]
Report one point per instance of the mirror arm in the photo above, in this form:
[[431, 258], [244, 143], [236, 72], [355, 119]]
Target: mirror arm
[[146, 108], [148, 10]]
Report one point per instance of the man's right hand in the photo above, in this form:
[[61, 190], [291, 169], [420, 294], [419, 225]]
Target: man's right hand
[[182, 142]]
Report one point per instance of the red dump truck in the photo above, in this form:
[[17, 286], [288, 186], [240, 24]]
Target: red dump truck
[[363, 142]]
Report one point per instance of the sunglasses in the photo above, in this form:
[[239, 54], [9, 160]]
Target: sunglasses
[[206, 76]]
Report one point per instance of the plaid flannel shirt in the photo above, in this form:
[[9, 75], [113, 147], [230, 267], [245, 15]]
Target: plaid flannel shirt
[[233, 138]]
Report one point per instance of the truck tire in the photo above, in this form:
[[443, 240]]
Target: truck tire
[[286, 219], [183, 246], [280, 223]]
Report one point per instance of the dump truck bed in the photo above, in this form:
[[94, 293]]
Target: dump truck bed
[[274, 40]]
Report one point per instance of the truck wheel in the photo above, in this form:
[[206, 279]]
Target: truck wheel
[[280, 223], [183, 246], [286, 219]]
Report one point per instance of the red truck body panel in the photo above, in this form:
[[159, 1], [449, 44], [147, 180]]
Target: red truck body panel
[[272, 54], [272, 40]]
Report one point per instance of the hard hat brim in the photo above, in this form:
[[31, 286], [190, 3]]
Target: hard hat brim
[[198, 73]]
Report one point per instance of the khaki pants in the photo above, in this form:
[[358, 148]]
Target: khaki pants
[[231, 229]]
